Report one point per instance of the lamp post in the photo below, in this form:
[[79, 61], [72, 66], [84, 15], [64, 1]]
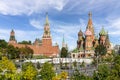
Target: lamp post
[[35, 63], [30, 56], [97, 60], [9, 56], [20, 61]]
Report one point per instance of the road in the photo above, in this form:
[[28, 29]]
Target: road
[[85, 70]]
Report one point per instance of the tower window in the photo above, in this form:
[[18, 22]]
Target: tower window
[[73, 55]]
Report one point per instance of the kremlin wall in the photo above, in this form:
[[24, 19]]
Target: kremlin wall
[[40, 47]]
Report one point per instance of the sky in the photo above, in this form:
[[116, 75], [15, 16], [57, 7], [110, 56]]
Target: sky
[[66, 17]]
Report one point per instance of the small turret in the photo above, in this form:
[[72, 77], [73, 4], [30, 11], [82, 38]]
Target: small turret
[[12, 39], [80, 33], [107, 41], [63, 42], [80, 41], [102, 32], [102, 36]]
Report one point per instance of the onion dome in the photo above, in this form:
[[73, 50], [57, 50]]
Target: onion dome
[[80, 33], [88, 32], [103, 32]]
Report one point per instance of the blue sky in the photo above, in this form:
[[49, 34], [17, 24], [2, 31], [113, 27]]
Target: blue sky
[[27, 18]]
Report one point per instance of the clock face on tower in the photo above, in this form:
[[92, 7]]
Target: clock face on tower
[[46, 32]]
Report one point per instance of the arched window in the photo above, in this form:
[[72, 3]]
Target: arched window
[[78, 55], [73, 55]]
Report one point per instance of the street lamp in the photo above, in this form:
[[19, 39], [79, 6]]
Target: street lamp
[[9, 56], [97, 60], [20, 61]]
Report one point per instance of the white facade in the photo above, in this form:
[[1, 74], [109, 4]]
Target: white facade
[[59, 60]]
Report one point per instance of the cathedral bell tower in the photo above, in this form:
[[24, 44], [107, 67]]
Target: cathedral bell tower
[[46, 39], [88, 40], [80, 40], [90, 26]]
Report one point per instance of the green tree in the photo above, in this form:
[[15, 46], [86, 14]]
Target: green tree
[[75, 64], [25, 65], [30, 73], [25, 42], [26, 52], [38, 65], [7, 69], [1, 55], [12, 52], [116, 67], [82, 64], [56, 78], [100, 51], [13, 76], [61, 64], [47, 72], [29, 52], [64, 52], [79, 76], [102, 73], [118, 52], [7, 65], [3, 44], [63, 75]]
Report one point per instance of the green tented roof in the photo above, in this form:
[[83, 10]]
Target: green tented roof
[[103, 32]]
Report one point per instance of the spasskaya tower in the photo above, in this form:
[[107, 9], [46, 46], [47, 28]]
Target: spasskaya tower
[[46, 39]]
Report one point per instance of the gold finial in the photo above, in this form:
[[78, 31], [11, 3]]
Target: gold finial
[[90, 15], [47, 21]]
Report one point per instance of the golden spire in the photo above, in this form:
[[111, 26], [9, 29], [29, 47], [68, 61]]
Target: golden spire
[[46, 21], [90, 25]]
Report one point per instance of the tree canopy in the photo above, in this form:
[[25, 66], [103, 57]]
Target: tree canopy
[[47, 72], [64, 52], [30, 72], [100, 50], [25, 42]]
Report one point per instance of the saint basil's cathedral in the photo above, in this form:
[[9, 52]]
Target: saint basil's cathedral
[[88, 41]]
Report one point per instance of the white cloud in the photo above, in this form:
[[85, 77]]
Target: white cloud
[[18, 7], [99, 6], [36, 24], [114, 23], [28, 7]]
